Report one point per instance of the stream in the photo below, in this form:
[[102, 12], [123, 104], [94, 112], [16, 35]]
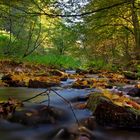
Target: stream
[[14, 131]]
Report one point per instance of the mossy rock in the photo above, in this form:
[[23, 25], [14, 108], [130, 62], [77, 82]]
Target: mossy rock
[[109, 114]]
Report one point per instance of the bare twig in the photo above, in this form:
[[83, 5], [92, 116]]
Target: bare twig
[[35, 47], [37, 43], [19, 31], [31, 29], [69, 103], [51, 15], [35, 96], [48, 91]]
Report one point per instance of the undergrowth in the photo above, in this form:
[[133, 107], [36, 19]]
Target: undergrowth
[[52, 60]]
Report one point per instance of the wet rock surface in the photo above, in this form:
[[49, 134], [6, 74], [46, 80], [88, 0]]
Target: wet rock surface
[[135, 92], [42, 84], [114, 110], [15, 74], [108, 114]]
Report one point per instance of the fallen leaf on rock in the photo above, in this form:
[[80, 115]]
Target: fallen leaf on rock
[[114, 77], [120, 112], [90, 83]]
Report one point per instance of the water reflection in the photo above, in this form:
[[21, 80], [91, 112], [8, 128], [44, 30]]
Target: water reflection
[[19, 93]]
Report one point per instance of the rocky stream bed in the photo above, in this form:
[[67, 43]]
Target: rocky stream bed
[[49, 104]]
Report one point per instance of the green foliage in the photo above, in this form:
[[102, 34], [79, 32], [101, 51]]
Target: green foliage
[[63, 38], [99, 64], [138, 70], [98, 40], [3, 38], [4, 41], [110, 32], [96, 64], [31, 31], [11, 47], [53, 60]]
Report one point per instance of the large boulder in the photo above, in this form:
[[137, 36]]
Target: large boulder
[[115, 111], [109, 114]]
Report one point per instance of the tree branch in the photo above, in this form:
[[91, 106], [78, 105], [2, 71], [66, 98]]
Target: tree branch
[[113, 25], [70, 15]]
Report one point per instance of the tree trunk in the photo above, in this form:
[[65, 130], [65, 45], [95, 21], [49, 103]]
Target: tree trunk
[[136, 26], [127, 56]]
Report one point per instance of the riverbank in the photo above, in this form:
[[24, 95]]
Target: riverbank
[[19, 74]]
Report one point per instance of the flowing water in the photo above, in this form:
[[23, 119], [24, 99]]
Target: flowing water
[[13, 131]]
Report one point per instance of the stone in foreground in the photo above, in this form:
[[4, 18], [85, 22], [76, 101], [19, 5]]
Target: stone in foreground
[[114, 110]]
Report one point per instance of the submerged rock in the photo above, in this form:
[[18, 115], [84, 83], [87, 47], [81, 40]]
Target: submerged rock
[[38, 114], [73, 132]]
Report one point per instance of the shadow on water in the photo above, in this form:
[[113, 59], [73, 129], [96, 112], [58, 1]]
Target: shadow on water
[[13, 131]]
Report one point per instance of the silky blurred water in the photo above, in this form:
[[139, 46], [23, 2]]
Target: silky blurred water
[[13, 131]]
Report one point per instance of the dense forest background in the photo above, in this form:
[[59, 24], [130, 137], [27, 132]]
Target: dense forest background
[[72, 33]]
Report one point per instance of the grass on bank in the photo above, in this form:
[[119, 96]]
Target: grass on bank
[[62, 62], [52, 60], [69, 62]]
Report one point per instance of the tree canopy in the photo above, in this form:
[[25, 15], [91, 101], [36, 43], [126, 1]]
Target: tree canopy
[[97, 30]]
